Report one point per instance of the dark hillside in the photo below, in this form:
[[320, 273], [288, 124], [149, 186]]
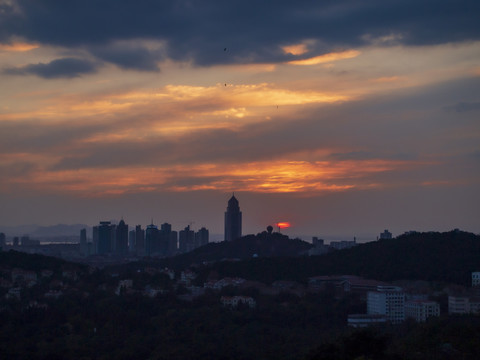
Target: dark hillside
[[34, 262], [260, 245], [449, 257]]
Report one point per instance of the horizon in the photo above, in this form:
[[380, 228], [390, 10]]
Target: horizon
[[15, 231], [339, 118]]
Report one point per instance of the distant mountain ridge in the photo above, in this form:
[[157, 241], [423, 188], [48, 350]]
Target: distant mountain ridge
[[39, 231]]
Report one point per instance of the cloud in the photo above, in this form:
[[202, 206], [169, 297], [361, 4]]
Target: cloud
[[211, 137], [59, 68], [18, 47], [16, 169], [129, 56], [252, 31], [463, 107], [370, 155], [326, 58]]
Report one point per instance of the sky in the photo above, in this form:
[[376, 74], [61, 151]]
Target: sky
[[341, 117]]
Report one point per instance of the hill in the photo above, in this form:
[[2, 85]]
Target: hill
[[35, 262], [262, 245], [432, 256]]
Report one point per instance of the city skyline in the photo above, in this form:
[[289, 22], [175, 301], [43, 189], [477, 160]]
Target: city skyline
[[341, 118]]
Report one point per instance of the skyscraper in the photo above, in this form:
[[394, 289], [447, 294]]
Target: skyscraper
[[131, 240], [168, 239], [152, 239], [121, 238], [83, 242], [233, 220], [139, 240], [201, 237], [104, 236], [3, 241], [186, 240]]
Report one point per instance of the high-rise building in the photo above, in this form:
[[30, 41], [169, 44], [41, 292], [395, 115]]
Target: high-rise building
[[168, 240], [121, 238], [83, 242], [201, 237], [3, 241], [104, 236], [131, 240], [173, 246], [139, 240], [233, 220], [186, 240], [152, 240]]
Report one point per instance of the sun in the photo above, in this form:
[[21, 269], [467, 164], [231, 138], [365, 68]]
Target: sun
[[283, 225]]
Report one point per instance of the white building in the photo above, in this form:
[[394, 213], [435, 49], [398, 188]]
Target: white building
[[23, 275], [169, 272], [476, 279], [365, 320], [385, 235], [388, 301], [234, 301], [123, 285], [219, 284], [463, 304], [421, 310], [344, 244]]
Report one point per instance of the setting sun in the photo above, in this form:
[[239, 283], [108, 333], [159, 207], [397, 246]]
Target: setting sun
[[283, 225]]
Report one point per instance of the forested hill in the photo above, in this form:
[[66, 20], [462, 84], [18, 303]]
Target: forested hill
[[247, 247], [432, 256], [36, 262]]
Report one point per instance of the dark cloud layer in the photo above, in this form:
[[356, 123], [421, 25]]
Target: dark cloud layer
[[59, 68], [252, 31], [128, 56], [464, 107]]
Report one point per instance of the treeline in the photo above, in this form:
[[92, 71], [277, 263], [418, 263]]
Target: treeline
[[104, 326], [247, 247], [438, 339], [36, 262], [444, 257]]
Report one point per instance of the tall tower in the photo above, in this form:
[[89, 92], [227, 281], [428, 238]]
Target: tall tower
[[121, 238], [151, 239], [233, 220], [105, 236], [83, 242], [139, 240], [201, 237], [3, 241], [186, 240]]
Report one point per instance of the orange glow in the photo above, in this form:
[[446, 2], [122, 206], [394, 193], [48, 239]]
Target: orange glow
[[251, 95], [18, 47], [326, 58], [298, 49], [386, 79], [252, 68], [211, 107], [281, 176], [283, 225]]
